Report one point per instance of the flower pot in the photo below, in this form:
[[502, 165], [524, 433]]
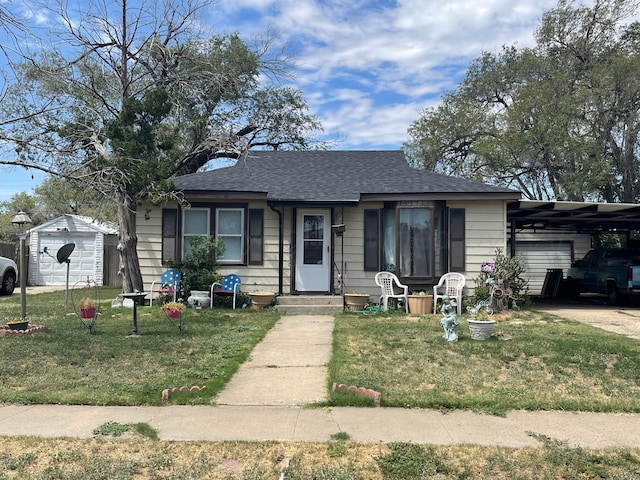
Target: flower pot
[[88, 312], [19, 325], [420, 304], [356, 301], [199, 298], [480, 329], [261, 299], [173, 313]]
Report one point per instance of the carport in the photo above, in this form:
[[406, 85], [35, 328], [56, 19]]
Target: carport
[[579, 217], [552, 234]]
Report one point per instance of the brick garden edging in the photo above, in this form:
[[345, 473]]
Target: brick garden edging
[[365, 392], [168, 391], [5, 331]]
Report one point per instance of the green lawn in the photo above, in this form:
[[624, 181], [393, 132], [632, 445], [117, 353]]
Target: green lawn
[[549, 364], [66, 364]]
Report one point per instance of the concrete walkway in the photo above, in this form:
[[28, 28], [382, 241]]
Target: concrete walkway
[[288, 368], [265, 401]]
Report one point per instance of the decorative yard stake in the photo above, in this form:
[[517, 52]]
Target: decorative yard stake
[[87, 308]]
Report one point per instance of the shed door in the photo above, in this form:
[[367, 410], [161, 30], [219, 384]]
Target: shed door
[[82, 260], [541, 256]]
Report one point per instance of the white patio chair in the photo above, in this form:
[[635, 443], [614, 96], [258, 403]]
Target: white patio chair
[[450, 284], [388, 282]]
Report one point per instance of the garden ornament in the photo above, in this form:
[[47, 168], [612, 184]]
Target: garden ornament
[[449, 319]]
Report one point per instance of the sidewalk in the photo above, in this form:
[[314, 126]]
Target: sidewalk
[[265, 401]]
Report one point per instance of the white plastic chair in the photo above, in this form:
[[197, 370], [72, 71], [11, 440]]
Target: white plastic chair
[[388, 282], [450, 284]]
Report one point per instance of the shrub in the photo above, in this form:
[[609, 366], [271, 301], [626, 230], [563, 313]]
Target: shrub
[[199, 265], [510, 269]]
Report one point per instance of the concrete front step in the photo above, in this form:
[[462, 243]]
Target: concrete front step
[[310, 304]]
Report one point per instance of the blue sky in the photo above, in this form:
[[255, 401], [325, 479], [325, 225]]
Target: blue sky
[[367, 67]]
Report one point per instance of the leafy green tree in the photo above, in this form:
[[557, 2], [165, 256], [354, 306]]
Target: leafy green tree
[[139, 94], [557, 121]]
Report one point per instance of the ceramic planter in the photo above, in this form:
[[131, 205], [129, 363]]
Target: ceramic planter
[[480, 329], [261, 299], [199, 298], [420, 304], [356, 301]]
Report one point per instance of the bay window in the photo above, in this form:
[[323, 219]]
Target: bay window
[[419, 240]]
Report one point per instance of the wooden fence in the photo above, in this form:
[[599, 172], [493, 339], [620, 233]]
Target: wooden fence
[[9, 250]]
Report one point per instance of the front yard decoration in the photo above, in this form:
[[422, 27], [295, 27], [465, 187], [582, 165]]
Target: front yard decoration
[[19, 324], [355, 302], [480, 322], [87, 307], [175, 312], [261, 299], [502, 281], [420, 303], [449, 319]]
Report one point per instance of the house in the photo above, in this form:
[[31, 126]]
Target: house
[[94, 255], [322, 222]]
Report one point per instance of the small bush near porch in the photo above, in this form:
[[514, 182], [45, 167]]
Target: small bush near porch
[[549, 364]]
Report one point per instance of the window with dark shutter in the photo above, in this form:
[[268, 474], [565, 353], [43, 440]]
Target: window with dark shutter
[[456, 240], [372, 240], [256, 236], [169, 234]]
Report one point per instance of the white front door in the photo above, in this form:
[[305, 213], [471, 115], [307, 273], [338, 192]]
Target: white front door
[[313, 250]]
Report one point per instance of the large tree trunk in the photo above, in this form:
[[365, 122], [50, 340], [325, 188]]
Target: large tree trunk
[[127, 243]]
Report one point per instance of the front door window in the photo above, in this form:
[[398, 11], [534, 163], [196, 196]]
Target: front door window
[[313, 239]]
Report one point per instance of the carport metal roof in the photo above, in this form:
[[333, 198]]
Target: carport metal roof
[[583, 217]]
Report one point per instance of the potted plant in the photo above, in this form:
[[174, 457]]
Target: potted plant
[[173, 309], [356, 301], [261, 299], [18, 324], [420, 302], [87, 307], [480, 322]]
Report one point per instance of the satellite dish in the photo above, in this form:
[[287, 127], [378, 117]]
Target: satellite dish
[[65, 252]]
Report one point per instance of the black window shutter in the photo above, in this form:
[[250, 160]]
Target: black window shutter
[[256, 236], [169, 234], [456, 239], [372, 250]]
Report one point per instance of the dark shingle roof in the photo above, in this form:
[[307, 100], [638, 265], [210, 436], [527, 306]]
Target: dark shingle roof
[[330, 176]]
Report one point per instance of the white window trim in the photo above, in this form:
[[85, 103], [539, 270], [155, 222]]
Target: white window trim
[[241, 235]]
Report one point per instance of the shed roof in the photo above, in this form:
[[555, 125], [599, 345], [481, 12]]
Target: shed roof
[[69, 220], [332, 176]]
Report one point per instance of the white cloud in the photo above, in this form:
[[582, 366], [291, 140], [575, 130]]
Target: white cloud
[[367, 65]]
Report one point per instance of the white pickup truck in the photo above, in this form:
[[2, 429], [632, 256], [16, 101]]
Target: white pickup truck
[[8, 275]]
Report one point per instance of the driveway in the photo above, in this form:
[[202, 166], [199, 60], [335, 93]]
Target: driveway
[[594, 311]]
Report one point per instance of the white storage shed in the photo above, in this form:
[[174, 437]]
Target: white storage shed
[[87, 259]]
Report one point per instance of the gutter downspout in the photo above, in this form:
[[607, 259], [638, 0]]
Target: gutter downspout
[[280, 247]]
